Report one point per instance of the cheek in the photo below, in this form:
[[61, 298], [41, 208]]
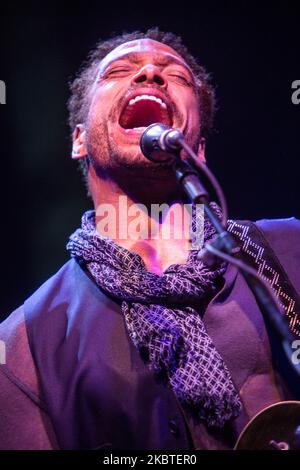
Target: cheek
[[95, 111], [193, 111], [189, 101], [193, 102], [101, 101]]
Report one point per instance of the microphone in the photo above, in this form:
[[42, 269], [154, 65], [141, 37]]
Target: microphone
[[161, 143]]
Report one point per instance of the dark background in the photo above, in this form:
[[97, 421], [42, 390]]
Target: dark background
[[252, 51]]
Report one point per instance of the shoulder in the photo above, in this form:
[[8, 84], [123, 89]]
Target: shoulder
[[276, 228], [16, 359], [22, 399], [24, 421], [63, 295], [283, 235]]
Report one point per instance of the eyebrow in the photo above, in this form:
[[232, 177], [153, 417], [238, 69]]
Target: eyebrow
[[136, 58]]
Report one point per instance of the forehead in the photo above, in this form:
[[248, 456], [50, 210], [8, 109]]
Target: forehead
[[143, 48]]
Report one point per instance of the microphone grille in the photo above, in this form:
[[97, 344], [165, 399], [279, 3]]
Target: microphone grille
[[150, 145]]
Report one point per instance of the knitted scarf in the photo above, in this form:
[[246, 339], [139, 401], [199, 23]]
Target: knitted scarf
[[162, 320]]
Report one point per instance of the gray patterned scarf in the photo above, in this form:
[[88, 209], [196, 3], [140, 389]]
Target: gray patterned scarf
[[161, 316]]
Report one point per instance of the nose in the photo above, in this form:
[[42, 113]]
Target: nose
[[150, 73]]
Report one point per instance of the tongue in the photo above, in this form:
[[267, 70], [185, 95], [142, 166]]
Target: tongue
[[142, 114]]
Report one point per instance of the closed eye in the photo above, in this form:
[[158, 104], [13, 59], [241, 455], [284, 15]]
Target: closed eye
[[117, 72], [180, 78]]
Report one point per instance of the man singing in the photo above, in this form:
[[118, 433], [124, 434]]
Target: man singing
[[135, 343]]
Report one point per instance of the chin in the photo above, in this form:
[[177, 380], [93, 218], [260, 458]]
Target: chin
[[134, 164]]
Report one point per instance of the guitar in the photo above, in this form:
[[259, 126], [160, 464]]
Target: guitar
[[277, 427]]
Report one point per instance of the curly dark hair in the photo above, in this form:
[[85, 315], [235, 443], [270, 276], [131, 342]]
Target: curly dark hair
[[78, 104]]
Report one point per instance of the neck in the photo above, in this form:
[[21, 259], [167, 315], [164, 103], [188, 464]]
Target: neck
[[145, 216]]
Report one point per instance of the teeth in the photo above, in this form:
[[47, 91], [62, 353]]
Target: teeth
[[136, 129], [147, 97]]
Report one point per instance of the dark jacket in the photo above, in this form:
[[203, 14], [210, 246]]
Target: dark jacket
[[87, 386]]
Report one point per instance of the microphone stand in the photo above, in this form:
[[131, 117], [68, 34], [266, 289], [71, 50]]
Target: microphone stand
[[224, 245]]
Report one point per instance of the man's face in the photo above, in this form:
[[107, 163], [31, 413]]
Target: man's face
[[139, 83]]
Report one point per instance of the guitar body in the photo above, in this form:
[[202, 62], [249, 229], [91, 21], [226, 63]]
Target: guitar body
[[277, 427]]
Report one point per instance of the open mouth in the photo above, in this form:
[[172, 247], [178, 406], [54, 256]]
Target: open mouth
[[143, 110]]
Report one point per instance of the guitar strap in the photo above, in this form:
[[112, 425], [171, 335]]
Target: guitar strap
[[260, 256]]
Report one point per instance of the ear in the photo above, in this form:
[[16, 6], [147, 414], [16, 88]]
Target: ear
[[201, 150], [79, 146]]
